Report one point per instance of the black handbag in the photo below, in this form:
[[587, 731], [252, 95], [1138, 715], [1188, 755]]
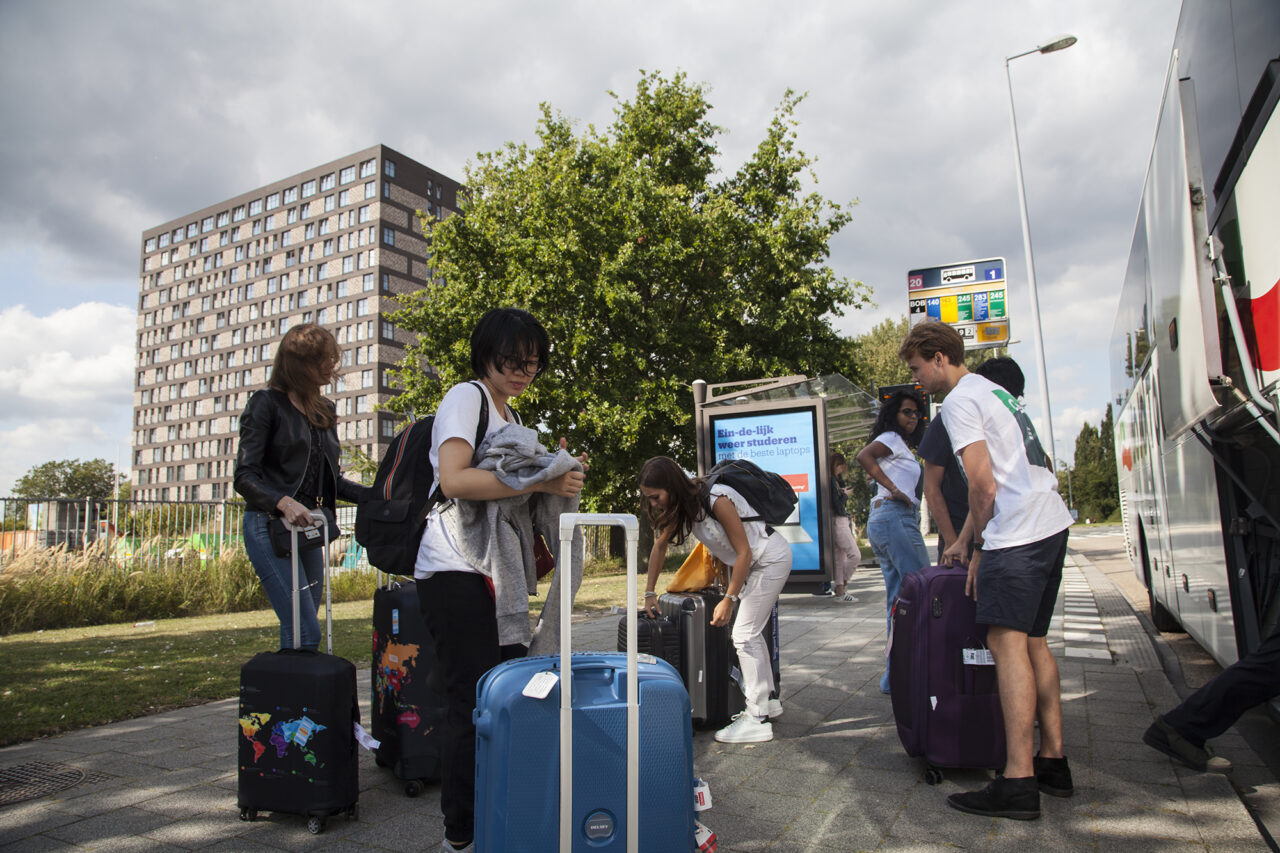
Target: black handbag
[[309, 538]]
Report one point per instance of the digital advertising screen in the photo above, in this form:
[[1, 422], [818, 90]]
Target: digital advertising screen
[[784, 441]]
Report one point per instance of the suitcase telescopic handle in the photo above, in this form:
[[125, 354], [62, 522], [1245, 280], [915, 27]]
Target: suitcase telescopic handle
[[295, 559], [631, 529]]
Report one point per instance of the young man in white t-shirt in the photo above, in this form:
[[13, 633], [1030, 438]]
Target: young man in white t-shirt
[[1019, 534]]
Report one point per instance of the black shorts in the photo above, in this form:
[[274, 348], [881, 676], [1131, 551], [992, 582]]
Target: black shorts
[[1018, 586]]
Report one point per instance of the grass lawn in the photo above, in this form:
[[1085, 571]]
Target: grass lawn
[[54, 681]]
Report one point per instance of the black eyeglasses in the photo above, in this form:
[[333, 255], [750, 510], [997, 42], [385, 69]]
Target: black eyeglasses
[[911, 413], [529, 367]]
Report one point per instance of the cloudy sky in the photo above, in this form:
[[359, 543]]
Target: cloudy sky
[[122, 115]]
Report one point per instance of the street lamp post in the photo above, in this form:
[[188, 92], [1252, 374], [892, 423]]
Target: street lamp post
[[1059, 43]]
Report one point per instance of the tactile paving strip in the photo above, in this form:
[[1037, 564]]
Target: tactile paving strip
[[40, 778]]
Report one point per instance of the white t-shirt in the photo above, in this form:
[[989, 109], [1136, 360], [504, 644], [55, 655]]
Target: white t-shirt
[[900, 466], [709, 531], [1028, 507], [457, 417]]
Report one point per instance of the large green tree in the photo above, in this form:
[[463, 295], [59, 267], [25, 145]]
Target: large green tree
[[68, 478], [648, 269]]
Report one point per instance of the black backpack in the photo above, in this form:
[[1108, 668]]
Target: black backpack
[[389, 524], [769, 495]]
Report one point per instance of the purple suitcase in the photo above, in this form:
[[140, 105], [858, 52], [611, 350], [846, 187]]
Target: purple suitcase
[[945, 702]]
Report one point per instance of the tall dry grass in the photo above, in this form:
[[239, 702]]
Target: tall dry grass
[[44, 589]]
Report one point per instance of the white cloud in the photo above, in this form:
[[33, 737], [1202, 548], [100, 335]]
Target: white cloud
[[122, 116], [67, 380]]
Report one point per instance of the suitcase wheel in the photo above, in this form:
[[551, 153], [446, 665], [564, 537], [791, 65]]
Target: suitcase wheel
[[315, 824], [249, 814], [413, 787], [932, 776]]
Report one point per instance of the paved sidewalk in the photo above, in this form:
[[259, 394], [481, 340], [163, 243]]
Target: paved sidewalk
[[835, 778]]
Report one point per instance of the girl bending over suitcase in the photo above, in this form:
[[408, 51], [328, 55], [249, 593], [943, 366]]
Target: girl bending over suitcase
[[759, 564]]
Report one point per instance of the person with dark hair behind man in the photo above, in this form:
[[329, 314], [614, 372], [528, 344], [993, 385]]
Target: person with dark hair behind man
[[1019, 525]]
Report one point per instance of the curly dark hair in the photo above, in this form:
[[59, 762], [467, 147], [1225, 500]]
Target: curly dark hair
[[686, 506], [887, 418]]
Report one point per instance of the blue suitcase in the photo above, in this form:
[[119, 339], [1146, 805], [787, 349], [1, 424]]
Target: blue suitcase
[[624, 777]]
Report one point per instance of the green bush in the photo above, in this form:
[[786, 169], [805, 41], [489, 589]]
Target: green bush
[[54, 589]]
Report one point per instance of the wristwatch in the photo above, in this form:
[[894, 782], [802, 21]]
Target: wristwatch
[[732, 598]]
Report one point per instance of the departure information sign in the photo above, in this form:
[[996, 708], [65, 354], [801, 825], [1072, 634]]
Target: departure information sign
[[970, 296]]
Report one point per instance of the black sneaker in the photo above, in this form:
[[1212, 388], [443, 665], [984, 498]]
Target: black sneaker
[[1054, 776], [1164, 737], [1018, 799]]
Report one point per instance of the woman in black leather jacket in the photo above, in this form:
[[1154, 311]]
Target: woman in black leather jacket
[[287, 465]]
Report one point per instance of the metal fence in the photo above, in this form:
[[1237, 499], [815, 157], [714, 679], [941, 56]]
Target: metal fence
[[140, 534]]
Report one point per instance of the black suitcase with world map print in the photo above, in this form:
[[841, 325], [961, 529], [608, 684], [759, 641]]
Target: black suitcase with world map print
[[407, 716], [297, 743]]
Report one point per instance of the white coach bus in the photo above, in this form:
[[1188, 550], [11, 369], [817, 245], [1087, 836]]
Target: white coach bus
[[1195, 354]]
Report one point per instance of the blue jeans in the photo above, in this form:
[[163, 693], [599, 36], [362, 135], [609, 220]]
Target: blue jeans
[[276, 574], [893, 528]]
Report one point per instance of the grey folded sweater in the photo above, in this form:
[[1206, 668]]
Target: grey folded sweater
[[497, 536]]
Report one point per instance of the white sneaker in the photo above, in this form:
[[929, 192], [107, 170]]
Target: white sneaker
[[848, 596], [775, 708], [446, 847], [745, 729]]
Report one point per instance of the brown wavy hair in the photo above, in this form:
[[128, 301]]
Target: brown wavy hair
[[306, 360], [686, 506]]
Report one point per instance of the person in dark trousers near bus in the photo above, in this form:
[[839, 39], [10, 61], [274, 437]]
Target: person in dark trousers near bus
[[1214, 708], [1019, 526]]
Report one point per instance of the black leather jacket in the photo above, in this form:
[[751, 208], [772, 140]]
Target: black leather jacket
[[275, 440]]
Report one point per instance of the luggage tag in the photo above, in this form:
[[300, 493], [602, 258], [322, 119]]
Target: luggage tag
[[395, 620], [539, 687], [979, 657], [365, 739], [701, 795]]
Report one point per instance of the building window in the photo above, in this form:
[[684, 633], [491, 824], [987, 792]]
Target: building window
[[368, 168], [371, 189], [290, 195], [389, 168], [206, 224], [308, 188], [255, 207], [270, 221], [328, 203], [362, 307], [224, 219], [347, 175], [368, 281], [388, 236], [386, 190], [273, 201], [388, 331], [193, 229], [366, 211], [237, 213], [348, 265], [344, 198]]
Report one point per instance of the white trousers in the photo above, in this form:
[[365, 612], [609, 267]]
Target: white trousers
[[759, 594]]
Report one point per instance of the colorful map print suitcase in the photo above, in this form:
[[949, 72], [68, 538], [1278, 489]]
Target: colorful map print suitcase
[[408, 710], [297, 746], [625, 765], [945, 699]]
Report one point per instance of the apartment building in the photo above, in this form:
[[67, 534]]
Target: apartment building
[[220, 286]]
